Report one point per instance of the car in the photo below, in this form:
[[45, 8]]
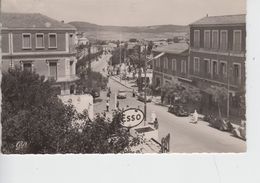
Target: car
[[141, 97], [121, 94], [178, 110], [95, 93], [221, 124]]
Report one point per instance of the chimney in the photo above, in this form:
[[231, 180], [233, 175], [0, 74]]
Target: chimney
[[62, 21], [207, 15]]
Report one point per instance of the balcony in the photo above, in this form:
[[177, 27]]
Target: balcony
[[63, 78]]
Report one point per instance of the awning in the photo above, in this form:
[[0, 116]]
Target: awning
[[156, 57]]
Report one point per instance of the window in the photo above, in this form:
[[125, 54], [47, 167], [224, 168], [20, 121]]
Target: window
[[237, 40], [52, 40], [71, 68], [223, 68], [165, 63], [27, 66], [158, 62], [223, 40], [236, 72], [39, 40], [207, 39], [196, 38], [183, 66], [215, 39], [53, 69], [207, 66], [215, 67], [196, 64], [174, 65], [26, 41]]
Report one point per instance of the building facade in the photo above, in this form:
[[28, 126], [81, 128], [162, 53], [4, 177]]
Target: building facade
[[170, 64], [37, 43], [217, 52]]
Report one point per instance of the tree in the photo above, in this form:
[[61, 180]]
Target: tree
[[34, 120], [182, 93], [219, 96]]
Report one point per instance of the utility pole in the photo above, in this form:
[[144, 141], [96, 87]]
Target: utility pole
[[120, 60], [145, 79], [228, 75], [89, 66]]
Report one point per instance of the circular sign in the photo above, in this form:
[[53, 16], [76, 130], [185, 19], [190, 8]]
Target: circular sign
[[131, 117]]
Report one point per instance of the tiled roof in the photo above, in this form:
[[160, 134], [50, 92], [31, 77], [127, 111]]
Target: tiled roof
[[31, 20], [221, 20], [175, 48]]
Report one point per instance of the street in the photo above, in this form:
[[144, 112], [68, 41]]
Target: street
[[185, 136]]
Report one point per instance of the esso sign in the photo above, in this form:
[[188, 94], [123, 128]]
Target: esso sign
[[131, 117]]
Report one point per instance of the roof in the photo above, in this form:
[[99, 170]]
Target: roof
[[31, 20], [175, 48], [221, 20]]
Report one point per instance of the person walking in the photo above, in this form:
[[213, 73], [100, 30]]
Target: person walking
[[195, 117], [133, 92], [107, 105], [156, 124], [153, 117], [117, 104]]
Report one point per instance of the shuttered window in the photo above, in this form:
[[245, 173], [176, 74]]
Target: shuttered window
[[26, 41]]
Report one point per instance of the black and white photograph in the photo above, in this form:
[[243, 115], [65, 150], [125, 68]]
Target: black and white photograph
[[120, 77]]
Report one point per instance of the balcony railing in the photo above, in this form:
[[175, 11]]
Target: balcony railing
[[64, 78]]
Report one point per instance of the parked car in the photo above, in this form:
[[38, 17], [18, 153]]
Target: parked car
[[178, 110], [141, 97], [240, 131], [121, 94], [221, 124], [95, 93]]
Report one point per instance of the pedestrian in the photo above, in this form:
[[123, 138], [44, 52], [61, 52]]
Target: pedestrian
[[133, 92], [156, 124], [107, 105], [195, 117], [153, 117], [117, 104]]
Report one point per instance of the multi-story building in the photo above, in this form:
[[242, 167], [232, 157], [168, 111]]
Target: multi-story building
[[40, 44], [217, 52], [170, 64]]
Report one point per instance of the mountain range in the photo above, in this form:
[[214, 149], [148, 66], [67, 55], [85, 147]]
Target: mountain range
[[107, 32], [85, 26]]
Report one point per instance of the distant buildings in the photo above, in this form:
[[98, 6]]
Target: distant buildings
[[37, 43], [171, 64]]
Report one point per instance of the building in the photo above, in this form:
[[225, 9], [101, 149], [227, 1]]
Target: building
[[217, 52], [40, 44], [170, 64]]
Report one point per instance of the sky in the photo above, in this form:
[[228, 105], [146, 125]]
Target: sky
[[127, 12]]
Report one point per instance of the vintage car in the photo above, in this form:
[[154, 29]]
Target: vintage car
[[221, 124], [121, 94], [178, 110], [141, 97]]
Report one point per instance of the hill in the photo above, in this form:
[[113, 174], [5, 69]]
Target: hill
[[125, 32], [85, 26]]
